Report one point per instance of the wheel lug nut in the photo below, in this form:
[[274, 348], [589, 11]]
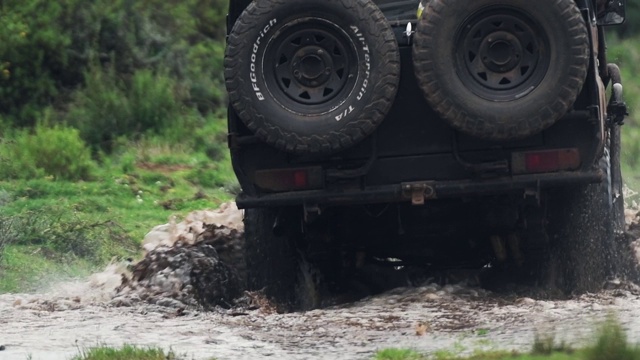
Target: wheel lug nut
[[296, 73]]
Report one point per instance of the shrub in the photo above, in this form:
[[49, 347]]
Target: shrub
[[47, 47], [55, 151], [29, 54], [63, 232], [109, 107], [205, 79], [206, 134]]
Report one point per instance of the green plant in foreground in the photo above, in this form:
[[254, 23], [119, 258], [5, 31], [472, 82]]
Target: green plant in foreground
[[612, 344], [398, 354], [127, 352], [546, 345]]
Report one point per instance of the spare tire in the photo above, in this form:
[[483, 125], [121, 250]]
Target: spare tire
[[498, 69], [312, 76]]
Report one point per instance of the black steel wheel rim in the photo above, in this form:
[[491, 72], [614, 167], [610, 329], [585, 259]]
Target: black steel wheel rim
[[501, 54], [311, 65]]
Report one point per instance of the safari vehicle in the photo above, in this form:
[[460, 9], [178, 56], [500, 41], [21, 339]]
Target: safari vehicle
[[478, 135]]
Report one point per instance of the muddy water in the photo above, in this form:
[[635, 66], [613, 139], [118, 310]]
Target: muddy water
[[60, 322], [429, 318]]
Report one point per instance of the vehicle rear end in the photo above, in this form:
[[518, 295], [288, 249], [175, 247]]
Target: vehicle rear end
[[408, 133]]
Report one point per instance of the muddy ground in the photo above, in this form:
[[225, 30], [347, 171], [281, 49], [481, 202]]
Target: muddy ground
[[146, 304]]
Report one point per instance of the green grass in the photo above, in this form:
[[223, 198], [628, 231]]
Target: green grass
[[27, 268], [127, 352], [67, 228], [403, 354], [406, 354], [398, 354]]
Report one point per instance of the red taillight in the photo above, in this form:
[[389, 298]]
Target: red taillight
[[290, 179], [300, 179], [542, 162], [545, 161]]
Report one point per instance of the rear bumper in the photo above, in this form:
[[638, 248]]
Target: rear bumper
[[406, 192]]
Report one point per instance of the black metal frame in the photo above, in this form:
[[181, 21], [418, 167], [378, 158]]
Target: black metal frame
[[433, 190]]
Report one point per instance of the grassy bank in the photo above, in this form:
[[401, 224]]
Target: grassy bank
[[111, 121], [69, 228]]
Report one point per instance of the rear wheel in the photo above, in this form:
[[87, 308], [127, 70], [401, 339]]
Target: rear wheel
[[581, 235], [275, 264], [587, 247]]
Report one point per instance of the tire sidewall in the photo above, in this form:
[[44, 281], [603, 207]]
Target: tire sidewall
[[349, 106]]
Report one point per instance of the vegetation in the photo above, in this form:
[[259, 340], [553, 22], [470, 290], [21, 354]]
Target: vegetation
[[89, 222], [127, 352], [52, 50], [399, 354], [610, 344], [626, 53], [112, 121]]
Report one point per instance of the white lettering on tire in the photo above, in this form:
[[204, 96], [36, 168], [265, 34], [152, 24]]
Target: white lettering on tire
[[254, 58], [367, 73], [345, 113]]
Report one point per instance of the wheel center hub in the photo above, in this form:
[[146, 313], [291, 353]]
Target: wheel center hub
[[312, 66], [501, 52]]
